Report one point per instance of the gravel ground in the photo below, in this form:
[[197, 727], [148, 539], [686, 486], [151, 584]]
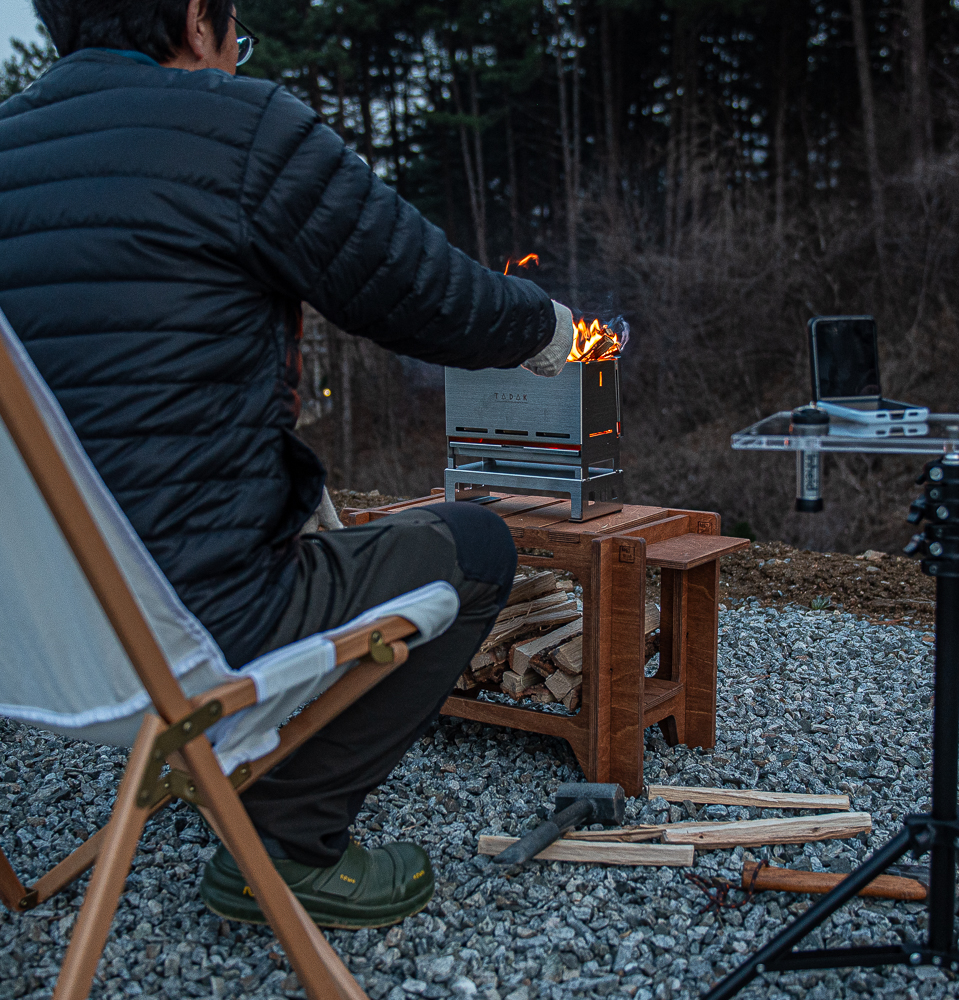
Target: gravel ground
[[809, 700]]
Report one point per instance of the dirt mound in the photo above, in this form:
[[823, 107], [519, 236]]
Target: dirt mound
[[889, 588], [353, 498]]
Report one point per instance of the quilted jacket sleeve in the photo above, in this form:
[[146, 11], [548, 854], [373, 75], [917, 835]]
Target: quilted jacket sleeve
[[320, 225]]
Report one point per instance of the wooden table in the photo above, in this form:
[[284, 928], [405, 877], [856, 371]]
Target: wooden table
[[609, 555]]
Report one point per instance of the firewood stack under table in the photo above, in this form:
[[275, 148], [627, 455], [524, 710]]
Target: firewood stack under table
[[535, 649]]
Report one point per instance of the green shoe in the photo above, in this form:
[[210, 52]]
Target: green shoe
[[363, 889]]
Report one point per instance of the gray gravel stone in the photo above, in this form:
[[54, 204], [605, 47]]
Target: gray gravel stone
[[809, 701]]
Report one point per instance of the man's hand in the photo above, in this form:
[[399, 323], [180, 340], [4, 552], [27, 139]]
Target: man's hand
[[552, 357]]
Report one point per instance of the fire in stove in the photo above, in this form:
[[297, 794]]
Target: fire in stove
[[597, 341]]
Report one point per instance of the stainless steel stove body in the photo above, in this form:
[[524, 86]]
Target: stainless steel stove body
[[512, 431]]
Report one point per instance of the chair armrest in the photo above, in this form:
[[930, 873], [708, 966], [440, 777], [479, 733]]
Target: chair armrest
[[355, 644], [352, 645]]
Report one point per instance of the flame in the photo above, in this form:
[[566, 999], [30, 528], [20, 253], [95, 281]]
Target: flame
[[594, 341], [530, 258]]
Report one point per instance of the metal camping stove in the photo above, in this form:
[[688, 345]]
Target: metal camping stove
[[515, 432]]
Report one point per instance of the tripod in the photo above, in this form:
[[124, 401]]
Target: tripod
[[936, 833]]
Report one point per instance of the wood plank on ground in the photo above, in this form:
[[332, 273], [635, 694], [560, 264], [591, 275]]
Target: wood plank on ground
[[747, 797], [620, 835], [607, 854], [741, 833], [755, 832]]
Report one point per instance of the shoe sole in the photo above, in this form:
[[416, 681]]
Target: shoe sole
[[254, 915], [339, 925]]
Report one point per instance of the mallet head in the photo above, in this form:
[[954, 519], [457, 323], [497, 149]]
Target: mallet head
[[609, 802]]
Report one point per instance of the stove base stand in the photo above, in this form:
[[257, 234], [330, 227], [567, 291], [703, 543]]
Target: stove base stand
[[598, 496]]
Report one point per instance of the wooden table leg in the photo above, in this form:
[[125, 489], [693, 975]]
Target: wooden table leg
[[702, 617], [597, 647], [625, 613], [673, 646]]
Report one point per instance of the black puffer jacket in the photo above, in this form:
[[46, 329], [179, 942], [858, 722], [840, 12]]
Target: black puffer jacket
[[158, 230]]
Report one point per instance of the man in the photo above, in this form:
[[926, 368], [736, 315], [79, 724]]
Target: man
[[160, 223]]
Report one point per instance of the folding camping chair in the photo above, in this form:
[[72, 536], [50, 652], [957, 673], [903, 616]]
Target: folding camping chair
[[95, 644]]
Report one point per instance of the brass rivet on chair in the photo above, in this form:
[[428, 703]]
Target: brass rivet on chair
[[187, 726], [379, 650]]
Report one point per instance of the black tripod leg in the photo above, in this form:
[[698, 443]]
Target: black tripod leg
[[813, 917], [945, 765]]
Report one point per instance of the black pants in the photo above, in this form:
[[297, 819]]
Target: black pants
[[308, 802]]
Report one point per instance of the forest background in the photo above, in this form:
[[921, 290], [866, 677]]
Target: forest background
[[717, 171]]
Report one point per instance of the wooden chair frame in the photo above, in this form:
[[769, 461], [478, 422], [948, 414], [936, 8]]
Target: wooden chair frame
[[196, 773]]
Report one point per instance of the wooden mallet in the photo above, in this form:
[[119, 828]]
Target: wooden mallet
[[575, 804]]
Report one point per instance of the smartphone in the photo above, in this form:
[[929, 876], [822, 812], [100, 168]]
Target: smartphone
[[844, 359]]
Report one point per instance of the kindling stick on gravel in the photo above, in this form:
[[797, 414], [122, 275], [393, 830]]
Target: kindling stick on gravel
[[747, 797], [606, 854], [742, 833]]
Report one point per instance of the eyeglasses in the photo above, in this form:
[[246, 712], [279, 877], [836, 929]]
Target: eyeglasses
[[245, 41]]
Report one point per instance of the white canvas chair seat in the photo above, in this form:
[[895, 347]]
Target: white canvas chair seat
[[96, 645]]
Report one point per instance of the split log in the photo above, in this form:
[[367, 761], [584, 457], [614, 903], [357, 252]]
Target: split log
[[541, 695], [571, 701], [532, 607], [465, 682], [483, 659], [747, 797], [755, 832], [652, 617], [528, 588], [543, 667], [561, 684], [492, 674], [790, 880], [516, 685], [515, 627], [652, 646], [533, 653], [569, 657], [488, 662], [604, 854]]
